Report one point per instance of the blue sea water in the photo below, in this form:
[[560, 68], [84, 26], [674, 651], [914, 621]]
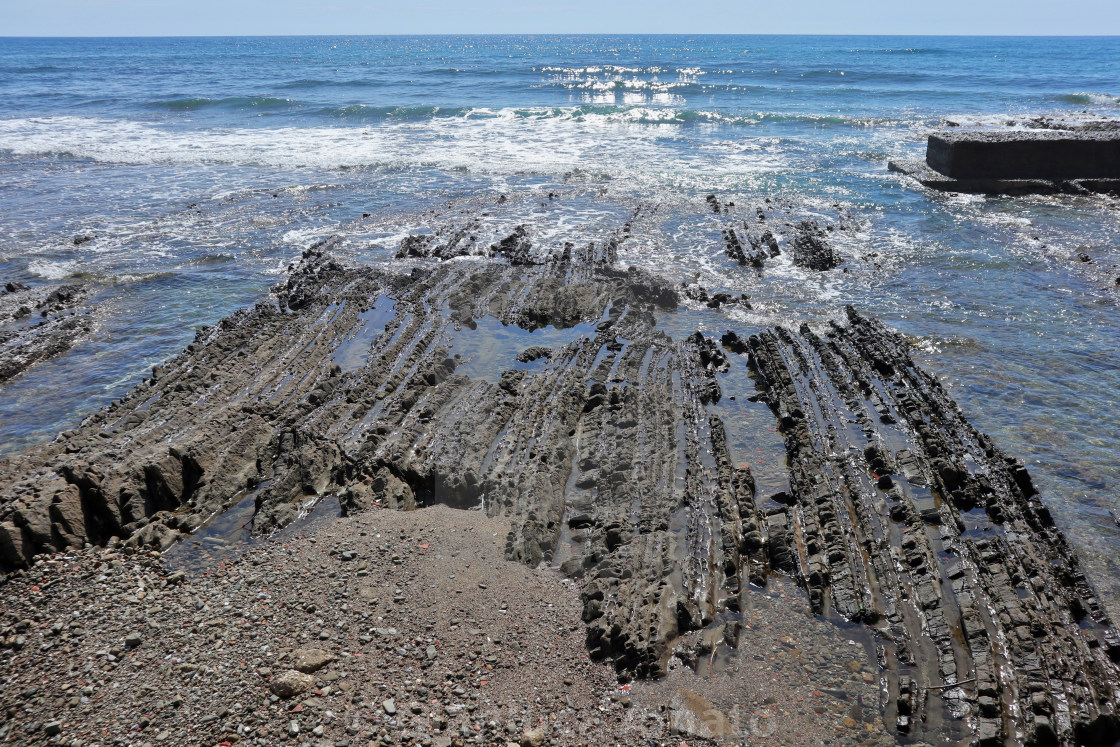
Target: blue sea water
[[202, 167]]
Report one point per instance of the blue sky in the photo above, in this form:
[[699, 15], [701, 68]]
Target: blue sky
[[249, 17]]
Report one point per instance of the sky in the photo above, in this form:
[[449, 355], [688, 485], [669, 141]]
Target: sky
[[353, 17]]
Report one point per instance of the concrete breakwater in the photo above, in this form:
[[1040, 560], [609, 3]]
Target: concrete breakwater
[[541, 388], [1047, 157]]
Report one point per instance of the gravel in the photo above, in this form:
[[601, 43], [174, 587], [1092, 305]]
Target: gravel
[[291, 643]]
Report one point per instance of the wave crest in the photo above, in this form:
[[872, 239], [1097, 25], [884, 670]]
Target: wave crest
[[1090, 99]]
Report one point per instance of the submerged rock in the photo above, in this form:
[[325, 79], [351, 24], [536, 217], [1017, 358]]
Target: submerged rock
[[754, 248], [37, 324], [812, 250], [690, 715]]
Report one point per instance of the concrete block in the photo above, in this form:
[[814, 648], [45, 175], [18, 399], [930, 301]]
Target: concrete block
[[1041, 154]]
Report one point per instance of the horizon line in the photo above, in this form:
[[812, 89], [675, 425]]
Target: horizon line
[[555, 33]]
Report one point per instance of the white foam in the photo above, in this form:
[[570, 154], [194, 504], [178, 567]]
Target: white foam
[[52, 270], [620, 144], [305, 237]]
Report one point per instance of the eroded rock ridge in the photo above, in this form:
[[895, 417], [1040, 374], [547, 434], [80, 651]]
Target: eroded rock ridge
[[540, 387]]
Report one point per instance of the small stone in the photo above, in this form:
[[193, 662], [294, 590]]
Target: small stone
[[308, 660], [293, 728], [390, 707], [691, 715], [52, 728], [533, 737], [291, 683], [132, 640]]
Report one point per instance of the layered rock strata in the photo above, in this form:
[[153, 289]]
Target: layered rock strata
[[743, 242], [538, 386], [901, 515], [599, 447]]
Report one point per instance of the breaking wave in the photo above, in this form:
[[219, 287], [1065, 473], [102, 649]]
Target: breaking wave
[[1090, 99], [605, 140]]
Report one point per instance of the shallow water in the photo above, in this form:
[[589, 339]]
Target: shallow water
[[203, 167], [490, 347], [227, 535], [353, 352]]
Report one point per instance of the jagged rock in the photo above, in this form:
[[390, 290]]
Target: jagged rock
[[812, 250], [229, 420], [516, 248], [758, 247], [1025, 607], [609, 462], [415, 246]]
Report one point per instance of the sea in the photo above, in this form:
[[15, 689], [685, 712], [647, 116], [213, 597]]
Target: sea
[[200, 168]]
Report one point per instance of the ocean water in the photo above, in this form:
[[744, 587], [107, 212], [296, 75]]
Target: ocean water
[[202, 167]]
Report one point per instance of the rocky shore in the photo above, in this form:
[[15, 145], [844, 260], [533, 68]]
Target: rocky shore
[[390, 628], [543, 390]]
